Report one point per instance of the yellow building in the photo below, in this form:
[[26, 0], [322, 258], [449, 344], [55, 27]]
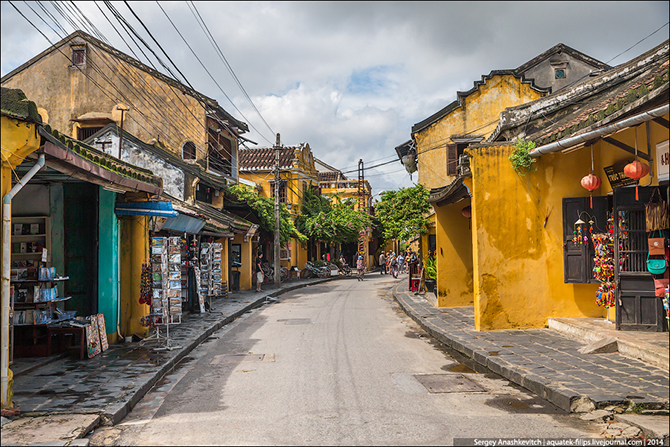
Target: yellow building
[[531, 260], [296, 164], [438, 148], [334, 184], [93, 93]]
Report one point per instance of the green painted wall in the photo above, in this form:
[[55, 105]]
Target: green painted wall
[[57, 232], [108, 259]]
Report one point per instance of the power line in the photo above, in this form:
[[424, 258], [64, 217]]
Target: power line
[[216, 46], [639, 42]]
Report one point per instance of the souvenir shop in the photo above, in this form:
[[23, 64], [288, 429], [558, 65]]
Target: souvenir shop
[[620, 242]]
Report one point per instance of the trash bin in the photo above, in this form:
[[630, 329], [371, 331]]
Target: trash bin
[[235, 281]]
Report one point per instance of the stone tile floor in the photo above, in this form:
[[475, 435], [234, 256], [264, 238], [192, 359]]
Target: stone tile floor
[[543, 360]]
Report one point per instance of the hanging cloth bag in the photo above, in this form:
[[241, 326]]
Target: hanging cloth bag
[[656, 244], [658, 217], [656, 266]]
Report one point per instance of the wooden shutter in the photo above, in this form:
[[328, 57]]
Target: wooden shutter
[[578, 259], [452, 159]]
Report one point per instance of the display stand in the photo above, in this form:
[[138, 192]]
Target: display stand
[[166, 289], [210, 268]]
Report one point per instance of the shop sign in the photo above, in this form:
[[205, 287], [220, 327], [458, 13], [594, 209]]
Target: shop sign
[[662, 160], [615, 175]]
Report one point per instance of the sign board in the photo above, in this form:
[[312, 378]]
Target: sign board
[[615, 175], [662, 160]]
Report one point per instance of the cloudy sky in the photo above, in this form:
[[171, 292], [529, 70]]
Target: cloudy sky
[[350, 78]]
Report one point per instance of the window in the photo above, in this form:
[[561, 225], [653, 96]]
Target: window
[[78, 56], [85, 132], [203, 193], [188, 151], [454, 151], [282, 190], [560, 73], [218, 163]]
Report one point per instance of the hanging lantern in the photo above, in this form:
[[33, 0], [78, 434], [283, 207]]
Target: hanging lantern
[[591, 182], [467, 212], [636, 171]]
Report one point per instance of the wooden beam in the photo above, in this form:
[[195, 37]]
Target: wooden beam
[[626, 148], [662, 121]]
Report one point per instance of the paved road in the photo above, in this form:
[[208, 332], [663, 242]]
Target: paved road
[[333, 364]]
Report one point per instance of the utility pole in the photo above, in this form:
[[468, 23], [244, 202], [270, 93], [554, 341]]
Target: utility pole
[[121, 132], [361, 206], [277, 218]]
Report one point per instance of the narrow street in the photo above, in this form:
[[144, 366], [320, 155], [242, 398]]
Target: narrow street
[[337, 363]]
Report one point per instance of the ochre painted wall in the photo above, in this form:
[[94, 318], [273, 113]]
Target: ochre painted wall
[[518, 263], [156, 109], [454, 256], [247, 258], [134, 251], [478, 116]]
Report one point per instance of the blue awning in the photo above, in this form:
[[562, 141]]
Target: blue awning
[[158, 209], [184, 224]]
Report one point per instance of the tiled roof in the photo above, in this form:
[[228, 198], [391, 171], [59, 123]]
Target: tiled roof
[[16, 105], [591, 103], [331, 176], [263, 159]]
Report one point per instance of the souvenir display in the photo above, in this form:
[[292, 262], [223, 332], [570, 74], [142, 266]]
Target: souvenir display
[[623, 240], [93, 338], [104, 344], [603, 268], [165, 280], [210, 269]]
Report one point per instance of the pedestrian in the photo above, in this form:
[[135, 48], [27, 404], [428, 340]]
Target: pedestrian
[[394, 265], [382, 264], [401, 262], [259, 272], [360, 268]]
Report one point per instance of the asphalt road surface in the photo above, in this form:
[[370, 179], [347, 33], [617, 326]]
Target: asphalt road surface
[[333, 364]]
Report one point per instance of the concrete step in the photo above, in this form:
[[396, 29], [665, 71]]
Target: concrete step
[[650, 347]]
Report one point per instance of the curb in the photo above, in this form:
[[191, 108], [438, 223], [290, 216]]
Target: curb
[[114, 414], [564, 398]]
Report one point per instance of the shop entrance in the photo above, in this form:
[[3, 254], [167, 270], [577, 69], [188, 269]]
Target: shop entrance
[[80, 216]]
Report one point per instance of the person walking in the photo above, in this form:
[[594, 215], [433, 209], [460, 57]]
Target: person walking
[[394, 265], [382, 264], [259, 272], [360, 268], [401, 262]]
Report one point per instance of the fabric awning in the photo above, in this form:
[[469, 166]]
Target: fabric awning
[[184, 224], [154, 209]]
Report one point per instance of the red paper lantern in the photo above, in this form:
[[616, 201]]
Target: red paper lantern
[[636, 171], [591, 182]]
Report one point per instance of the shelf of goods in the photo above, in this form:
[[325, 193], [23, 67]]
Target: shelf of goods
[[166, 298], [210, 269]]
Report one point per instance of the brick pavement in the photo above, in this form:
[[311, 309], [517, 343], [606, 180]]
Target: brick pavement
[[543, 360], [112, 383]]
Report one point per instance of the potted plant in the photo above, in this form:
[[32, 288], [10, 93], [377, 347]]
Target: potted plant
[[430, 268]]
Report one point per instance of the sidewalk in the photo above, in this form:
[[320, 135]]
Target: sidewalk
[[545, 361], [109, 385]]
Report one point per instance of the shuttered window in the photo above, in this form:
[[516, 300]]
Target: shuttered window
[[578, 259], [452, 159]]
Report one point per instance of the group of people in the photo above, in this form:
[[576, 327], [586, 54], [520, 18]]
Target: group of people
[[393, 264]]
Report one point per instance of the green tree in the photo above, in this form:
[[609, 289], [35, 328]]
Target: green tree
[[335, 222], [401, 212], [264, 208]]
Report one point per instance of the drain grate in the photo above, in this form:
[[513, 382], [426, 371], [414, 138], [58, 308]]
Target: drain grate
[[236, 358], [448, 383]]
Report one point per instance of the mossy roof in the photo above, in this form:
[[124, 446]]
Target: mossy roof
[[16, 105]]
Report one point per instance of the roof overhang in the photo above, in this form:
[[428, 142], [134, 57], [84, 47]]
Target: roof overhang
[[68, 162], [450, 194], [152, 209]]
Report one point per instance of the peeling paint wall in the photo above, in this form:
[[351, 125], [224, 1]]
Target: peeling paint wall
[[517, 262], [157, 110]]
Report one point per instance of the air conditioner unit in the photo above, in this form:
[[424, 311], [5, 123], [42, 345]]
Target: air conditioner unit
[[464, 166]]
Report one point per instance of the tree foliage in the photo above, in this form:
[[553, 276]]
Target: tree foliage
[[335, 222], [401, 212], [264, 208], [521, 160]]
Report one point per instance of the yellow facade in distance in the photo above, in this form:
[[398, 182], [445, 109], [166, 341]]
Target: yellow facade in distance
[[298, 177]]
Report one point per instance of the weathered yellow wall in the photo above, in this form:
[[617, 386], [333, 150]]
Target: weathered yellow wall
[[157, 110], [134, 252], [247, 258], [478, 116], [518, 263], [454, 256], [19, 139]]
